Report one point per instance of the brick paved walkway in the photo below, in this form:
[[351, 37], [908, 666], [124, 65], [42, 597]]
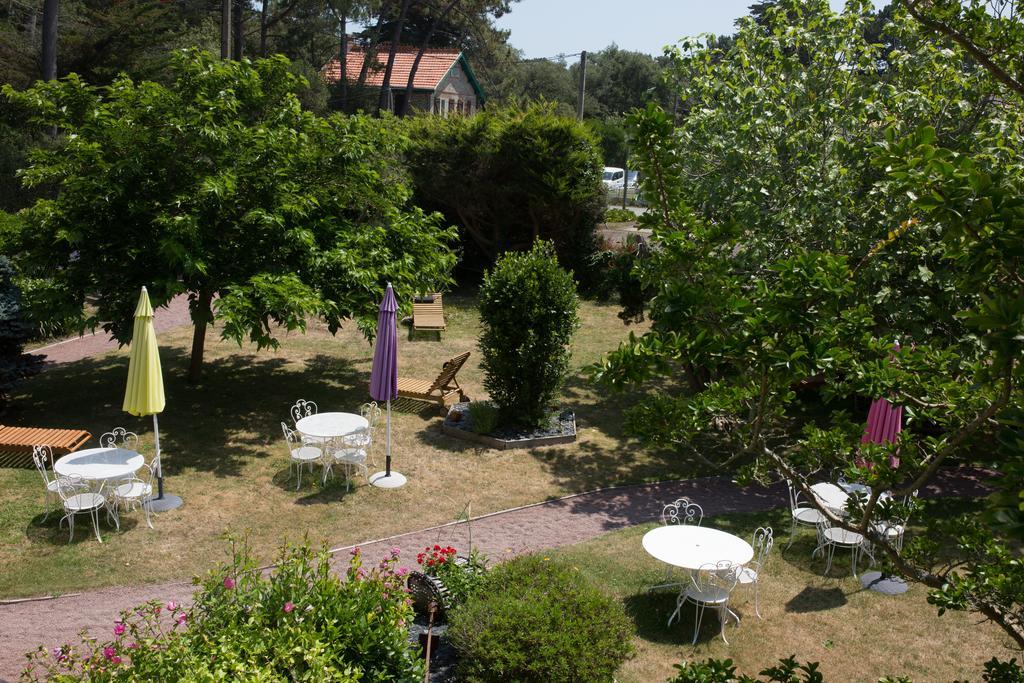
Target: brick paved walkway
[[25, 625], [173, 315]]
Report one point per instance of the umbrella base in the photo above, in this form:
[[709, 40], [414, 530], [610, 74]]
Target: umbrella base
[[168, 502], [381, 480], [887, 585]]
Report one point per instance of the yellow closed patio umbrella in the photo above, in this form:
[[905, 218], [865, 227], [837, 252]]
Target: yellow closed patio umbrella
[[144, 394]]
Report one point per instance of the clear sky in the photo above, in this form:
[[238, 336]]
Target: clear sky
[[545, 28]]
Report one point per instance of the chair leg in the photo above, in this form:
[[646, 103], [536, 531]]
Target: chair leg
[[698, 616], [853, 560], [298, 476], [792, 532], [71, 526], [46, 501], [95, 513], [723, 616], [757, 608], [831, 552], [147, 507]]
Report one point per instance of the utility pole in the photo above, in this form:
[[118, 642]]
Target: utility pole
[[225, 29], [50, 8], [583, 85], [625, 175]]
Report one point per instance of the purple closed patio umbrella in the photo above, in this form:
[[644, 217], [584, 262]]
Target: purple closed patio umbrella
[[384, 378]]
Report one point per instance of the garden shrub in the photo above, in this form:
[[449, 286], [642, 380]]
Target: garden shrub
[[14, 332], [462, 577], [616, 215], [483, 417], [300, 623], [528, 311], [507, 176], [788, 670], [537, 620]]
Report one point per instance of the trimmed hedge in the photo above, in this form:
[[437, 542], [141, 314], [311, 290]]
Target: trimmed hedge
[[539, 620]]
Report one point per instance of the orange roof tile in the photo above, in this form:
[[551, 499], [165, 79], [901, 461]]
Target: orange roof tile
[[433, 67]]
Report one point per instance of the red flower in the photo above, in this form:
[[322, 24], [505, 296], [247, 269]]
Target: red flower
[[437, 547]]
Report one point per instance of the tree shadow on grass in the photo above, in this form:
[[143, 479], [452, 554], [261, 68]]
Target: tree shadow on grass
[[816, 599], [233, 413], [51, 532], [312, 491], [650, 613]]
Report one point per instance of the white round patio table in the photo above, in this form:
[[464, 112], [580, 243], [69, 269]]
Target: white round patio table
[[99, 464], [331, 425], [691, 547], [830, 495]]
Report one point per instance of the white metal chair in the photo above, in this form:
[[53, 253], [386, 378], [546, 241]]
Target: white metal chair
[[42, 456], [682, 511], [303, 452], [348, 452], [802, 513], [303, 408], [832, 537], [893, 529], [119, 437], [136, 491], [710, 586], [79, 500], [751, 574], [679, 511], [372, 413]]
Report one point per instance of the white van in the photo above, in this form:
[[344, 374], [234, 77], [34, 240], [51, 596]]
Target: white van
[[612, 177]]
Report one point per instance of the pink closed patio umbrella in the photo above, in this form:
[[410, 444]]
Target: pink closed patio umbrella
[[885, 421]]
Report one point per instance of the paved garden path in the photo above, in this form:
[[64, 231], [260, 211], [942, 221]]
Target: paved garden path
[[551, 524], [175, 314]]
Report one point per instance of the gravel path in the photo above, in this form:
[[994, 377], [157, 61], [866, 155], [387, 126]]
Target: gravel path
[[175, 314], [502, 535]]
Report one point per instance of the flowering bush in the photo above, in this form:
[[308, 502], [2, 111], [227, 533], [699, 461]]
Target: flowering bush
[[299, 623], [460, 578]]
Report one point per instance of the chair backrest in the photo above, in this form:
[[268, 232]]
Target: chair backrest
[[722, 575], [682, 511], [762, 542], [448, 371], [796, 499], [119, 437], [291, 438], [370, 411], [303, 408], [70, 486], [42, 456]]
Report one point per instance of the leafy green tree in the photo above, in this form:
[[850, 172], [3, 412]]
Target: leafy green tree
[[841, 209], [619, 81], [221, 186], [528, 311], [508, 176]]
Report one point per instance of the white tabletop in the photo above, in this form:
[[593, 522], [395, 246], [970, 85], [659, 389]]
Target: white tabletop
[[99, 464], [331, 425], [691, 547], [830, 495]]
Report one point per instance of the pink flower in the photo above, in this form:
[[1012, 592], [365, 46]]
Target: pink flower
[[59, 654], [115, 660], [402, 571], [288, 607], [171, 605], [181, 618], [133, 645], [109, 653], [229, 583], [118, 628], [354, 551], [396, 551]]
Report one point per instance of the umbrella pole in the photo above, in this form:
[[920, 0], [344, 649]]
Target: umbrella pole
[[387, 459], [159, 464]]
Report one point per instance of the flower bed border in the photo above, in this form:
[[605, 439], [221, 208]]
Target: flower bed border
[[453, 428]]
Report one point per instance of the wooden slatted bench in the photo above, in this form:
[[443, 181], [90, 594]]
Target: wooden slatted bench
[[428, 316], [16, 443], [443, 391]]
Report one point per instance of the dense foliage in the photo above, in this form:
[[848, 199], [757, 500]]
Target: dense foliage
[[508, 177], [300, 623], [14, 332], [860, 201], [528, 312], [790, 671], [537, 620], [221, 186]]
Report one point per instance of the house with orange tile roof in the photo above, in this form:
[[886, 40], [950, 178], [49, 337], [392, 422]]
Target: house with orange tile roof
[[444, 83]]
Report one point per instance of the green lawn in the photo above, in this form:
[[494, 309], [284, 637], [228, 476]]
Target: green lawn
[[856, 634], [224, 453]]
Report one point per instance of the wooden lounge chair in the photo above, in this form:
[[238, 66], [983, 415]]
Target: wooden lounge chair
[[443, 390], [16, 443], [428, 314]]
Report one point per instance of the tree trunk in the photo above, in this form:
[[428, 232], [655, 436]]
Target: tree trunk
[[396, 35], [201, 316], [343, 64], [239, 30], [369, 55], [225, 29], [50, 8], [404, 109], [264, 15]]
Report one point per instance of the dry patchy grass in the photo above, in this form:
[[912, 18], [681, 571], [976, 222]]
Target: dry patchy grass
[[855, 634], [224, 454]]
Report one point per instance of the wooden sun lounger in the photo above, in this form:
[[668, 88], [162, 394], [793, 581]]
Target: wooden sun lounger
[[16, 443], [443, 391], [428, 316]]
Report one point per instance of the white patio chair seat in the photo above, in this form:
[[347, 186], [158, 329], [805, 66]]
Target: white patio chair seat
[[709, 595], [843, 537], [747, 576], [76, 500], [84, 502], [137, 491], [807, 516], [710, 587], [133, 489], [350, 456], [306, 454]]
